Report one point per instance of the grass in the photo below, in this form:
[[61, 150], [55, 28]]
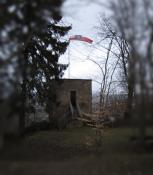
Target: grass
[[74, 151]]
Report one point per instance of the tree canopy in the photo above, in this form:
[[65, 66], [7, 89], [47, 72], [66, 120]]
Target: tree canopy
[[32, 40]]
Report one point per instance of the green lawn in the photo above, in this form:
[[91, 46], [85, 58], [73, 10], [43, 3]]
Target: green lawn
[[75, 151]]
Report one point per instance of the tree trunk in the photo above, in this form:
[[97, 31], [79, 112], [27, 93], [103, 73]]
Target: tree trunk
[[142, 120], [4, 109], [23, 95], [130, 100], [22, 109], [1, 132], [142, 107]]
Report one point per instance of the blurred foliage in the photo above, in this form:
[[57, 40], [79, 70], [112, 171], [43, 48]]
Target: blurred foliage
[[31, 43]]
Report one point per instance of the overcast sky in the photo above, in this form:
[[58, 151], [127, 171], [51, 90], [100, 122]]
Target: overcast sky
[[83, 16]]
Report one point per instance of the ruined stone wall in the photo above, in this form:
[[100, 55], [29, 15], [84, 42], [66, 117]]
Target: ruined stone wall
[[63, 89], [83, 90]]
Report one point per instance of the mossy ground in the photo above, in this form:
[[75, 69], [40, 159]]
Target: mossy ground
[[75, 151]]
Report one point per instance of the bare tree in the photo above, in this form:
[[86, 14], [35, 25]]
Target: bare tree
[[107, 66], [121, 52], [133, 21]]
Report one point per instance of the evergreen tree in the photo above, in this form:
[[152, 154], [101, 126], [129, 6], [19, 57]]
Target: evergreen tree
[[42, 54], [25, 56]]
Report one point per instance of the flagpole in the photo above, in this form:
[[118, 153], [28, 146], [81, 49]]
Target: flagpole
[[79, 38], [69, 71]]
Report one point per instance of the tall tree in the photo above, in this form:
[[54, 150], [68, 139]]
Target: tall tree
[[22, 23], [121, 52], [42, 54], [133, 21]]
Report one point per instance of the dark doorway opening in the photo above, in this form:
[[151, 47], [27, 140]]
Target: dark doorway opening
[[73, 98]]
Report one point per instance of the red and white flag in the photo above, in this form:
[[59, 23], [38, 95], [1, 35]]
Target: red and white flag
[[81, 38]]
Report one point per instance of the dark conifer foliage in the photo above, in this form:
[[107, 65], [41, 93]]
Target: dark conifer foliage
[[30, 42], [42, 54]]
